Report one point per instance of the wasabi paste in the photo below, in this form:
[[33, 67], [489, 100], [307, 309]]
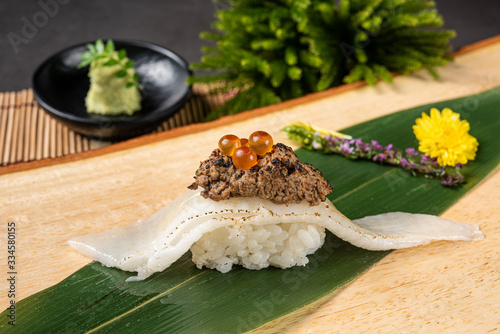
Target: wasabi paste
[[114, 87]]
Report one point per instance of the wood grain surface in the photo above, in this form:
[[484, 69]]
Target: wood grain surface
[[442, 287]]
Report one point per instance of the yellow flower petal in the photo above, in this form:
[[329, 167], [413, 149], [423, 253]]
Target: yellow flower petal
[[443, 136]]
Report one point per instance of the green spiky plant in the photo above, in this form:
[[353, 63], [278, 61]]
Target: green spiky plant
[[271, 51]]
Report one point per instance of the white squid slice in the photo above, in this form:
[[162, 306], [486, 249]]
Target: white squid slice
[[153, 244]]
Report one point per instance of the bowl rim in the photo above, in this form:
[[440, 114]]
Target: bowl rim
[[147, 119]]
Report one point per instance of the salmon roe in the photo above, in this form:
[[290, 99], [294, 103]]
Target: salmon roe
[[245, 152], [244, 158], [243, 142], [229, 143], [260, 142]]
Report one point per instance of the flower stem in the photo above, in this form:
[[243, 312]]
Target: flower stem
[[409, 159]]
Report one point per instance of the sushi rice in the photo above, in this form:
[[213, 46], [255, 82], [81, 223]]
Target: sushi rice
[[258, 246]]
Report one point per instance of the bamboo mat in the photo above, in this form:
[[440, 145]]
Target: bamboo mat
[[28, 133]]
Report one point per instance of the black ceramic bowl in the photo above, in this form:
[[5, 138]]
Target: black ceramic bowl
[[60, 88]]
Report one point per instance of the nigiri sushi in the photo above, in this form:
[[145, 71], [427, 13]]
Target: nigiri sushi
[[273, 213]]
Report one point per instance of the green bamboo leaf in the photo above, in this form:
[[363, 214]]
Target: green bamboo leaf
[[184, 299]]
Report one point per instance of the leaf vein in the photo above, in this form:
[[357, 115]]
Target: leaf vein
[[364, 184], [145, 303]]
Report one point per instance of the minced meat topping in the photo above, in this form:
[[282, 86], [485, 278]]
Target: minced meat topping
[[279, 176]]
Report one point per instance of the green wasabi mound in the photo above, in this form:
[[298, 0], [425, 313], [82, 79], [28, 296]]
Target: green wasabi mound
[[108, 94], [114, 87]]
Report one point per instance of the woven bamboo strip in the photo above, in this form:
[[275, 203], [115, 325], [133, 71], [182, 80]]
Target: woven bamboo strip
[[1, 116], [52, 138], [210, 101], [23, 129], [10, 140], [46, 135], [189, 115], [199, 106], [27, 125], [78, 141], [59, 140], [85, 144], [21, 126], [166, 126], [3, 121], [39, 133], [201, 90], [18, 155], [171, 122], [10, 125], [15, 127], [72, 139], [65, 140], [189, 108], [183, 115], [178, 121], [33, 133], [220, 99]]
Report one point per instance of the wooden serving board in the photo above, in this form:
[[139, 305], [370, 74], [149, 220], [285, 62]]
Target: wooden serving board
[[441, 287]]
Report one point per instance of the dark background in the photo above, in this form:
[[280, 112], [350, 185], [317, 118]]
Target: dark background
[[174, 24]]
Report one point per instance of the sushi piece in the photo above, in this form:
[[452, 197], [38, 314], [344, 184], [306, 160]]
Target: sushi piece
[[274, 213]]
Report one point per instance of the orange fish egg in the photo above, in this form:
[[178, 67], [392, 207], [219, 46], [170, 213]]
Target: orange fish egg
[[243, 142], [261, 142], [229, 143], [244, 158]]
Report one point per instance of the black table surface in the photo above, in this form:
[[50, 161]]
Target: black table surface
[[175, 24]]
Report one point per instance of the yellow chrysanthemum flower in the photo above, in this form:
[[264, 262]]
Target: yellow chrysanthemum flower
[[445, 137]]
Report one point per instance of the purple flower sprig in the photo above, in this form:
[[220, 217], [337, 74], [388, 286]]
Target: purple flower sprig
[[409, 159]]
